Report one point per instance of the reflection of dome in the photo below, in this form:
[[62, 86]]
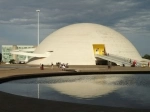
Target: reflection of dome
[[76, 44], [83, 89], [87, 88]]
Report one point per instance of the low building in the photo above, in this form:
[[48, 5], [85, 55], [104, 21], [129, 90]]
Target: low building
[[6, 52]]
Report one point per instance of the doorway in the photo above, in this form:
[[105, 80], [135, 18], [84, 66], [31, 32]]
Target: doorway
[[99, 49]]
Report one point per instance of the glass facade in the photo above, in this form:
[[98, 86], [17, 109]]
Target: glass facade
[[7, 56]]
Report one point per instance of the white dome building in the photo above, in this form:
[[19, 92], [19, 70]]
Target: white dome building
[[77, 44]]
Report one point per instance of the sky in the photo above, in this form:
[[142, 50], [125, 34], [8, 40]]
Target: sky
[[18, 19]]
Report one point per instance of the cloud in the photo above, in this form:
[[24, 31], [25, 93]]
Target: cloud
[[124, 16], [68, 11]]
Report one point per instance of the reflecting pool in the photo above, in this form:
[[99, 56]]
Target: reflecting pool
[[120, 90]]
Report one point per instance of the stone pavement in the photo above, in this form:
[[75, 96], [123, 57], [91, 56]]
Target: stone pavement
[[7, 71]]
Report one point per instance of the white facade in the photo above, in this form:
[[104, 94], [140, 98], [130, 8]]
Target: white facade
[[7, 49], [73, 44]]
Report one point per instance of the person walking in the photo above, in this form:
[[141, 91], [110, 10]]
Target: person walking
[[42, 67], [52, 65], [63, 67], [108, 64]]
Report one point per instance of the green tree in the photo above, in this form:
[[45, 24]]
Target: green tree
[[12, 61], [0, 57], [146, 56]]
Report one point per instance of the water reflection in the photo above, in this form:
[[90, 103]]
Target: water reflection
[[29, 90], [126, 90], [87, 87]]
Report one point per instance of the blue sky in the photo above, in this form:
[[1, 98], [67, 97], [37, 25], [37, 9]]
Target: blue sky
[[18, 19]]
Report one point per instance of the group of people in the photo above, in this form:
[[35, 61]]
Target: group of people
[[63, 66]]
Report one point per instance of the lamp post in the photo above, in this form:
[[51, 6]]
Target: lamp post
[[38, 45], [38, 27]]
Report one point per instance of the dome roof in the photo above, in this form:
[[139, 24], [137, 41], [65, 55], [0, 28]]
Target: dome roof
[[73, 44]]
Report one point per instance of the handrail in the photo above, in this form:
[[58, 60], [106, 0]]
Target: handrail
[[128, 59], [114, 59], [120, 60]]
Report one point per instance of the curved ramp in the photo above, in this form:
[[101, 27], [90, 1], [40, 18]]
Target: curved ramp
[[116, 59]]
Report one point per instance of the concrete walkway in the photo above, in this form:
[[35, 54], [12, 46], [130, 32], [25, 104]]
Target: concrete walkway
[[19, 70]]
